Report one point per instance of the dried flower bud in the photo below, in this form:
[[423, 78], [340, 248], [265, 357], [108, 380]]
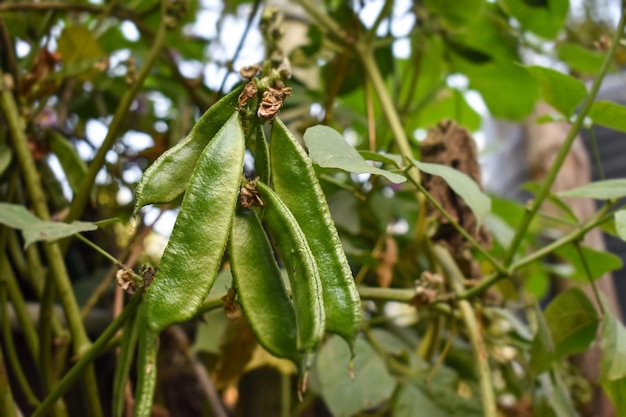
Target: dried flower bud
[[249, 92]]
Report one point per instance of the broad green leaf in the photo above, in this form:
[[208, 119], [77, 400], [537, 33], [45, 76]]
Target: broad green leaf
[[456, 13], [448, 104], [580, 58], [343, 207], [509, 91], [609, 114], [566, 211], [329, 149], [615, 391], [573, 322], [77, 45], [557, 395], [344, 397], [462, 184], [545, 19], [600, 190], [412, 401], [620, 223], [613, 364], [561, 91], [74, 167], [599, 262], [35, 229]]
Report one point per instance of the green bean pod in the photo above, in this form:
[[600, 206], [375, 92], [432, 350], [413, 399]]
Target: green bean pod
[[194, 252], [146, 368], [124, 363], [260, 288], [169, 175], [301, 267], [294, 180]]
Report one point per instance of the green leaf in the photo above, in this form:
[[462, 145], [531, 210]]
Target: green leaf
[[448, 104], [344, 397], [600, 190], [414, 402], [613, 363], [573, 322], [599, 262], [546, 19], [615, 391], [620, 223], [609, 114], [456, 13], [561, 91], [542, 352], [77, 45], [462, 184], [580, 58], [74, 167], [328, 149], [35, 229], [509, 91]]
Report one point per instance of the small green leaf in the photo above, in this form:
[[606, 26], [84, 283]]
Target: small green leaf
[[573, 322], [542, 352], [78, 46], [609, 114], [561, 91], [328, 149], [35, 229], [463, 185], [620, 223], [600, 190], [613, 364], [456, 13], [448, 104], [74, 167], [580, 58], [599, 262], [546, 19], [343, 396]]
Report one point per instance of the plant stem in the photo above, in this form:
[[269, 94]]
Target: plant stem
[[473, 329], [323, 19], [87, 358], [567, 144], [592, 283], [98, 249], [600, 217], [7, 403], [82, 195]]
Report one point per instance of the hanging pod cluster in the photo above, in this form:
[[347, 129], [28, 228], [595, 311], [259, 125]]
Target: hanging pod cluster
[[207, 166]]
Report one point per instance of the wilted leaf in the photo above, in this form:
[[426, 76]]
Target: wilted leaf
[[344, 397], [462, 184], [35, 229], [328, 149], [600, 190], [561, 91]]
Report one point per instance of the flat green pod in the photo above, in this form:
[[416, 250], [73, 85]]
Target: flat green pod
[[194, 252], [294, 180]]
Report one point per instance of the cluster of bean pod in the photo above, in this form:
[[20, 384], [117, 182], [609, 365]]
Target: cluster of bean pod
[[207, 166]]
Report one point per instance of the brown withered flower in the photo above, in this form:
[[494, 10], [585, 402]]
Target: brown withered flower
[[249, 92], [272, 100], [250, 71]]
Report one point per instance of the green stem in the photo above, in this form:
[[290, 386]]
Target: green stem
[[600, 217], [9, 346], [386, 9], [567, 144], [323, 19], [53, 252], [82, 196], [473, 329], [592, 282], [7, 403], [87, 358], [98, 249]]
